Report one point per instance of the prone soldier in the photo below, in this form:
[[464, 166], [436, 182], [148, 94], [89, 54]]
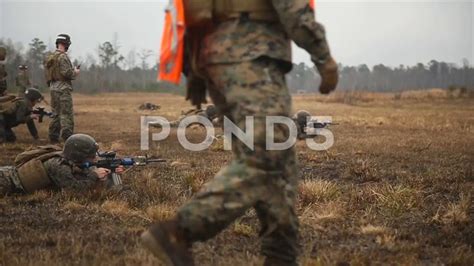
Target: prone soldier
[[50, 167], [15, 111]]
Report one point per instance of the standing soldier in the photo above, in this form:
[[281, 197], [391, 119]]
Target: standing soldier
[[59, 75], [3, 73], [244, 53], [22, 80], [15, 111]]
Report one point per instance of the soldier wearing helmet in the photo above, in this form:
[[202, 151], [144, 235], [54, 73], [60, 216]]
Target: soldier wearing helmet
[[15, 111], [59, 74], [22, 80], [301, 119], [3, 73], [50, 167]]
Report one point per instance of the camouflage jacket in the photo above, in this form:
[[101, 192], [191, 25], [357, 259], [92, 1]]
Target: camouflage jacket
[[65, 175], [241, 40], [65, 71], [20, 114]]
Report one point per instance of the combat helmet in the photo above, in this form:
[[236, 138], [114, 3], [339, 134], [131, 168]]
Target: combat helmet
[[64, 39], [301, 117], [80, 147], [33, 94], [3, 53]]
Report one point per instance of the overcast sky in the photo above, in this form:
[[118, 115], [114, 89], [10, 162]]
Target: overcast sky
[[372, 32]]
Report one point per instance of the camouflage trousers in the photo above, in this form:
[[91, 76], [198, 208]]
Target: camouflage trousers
[[9, 181], [63, 123], [263, 180]]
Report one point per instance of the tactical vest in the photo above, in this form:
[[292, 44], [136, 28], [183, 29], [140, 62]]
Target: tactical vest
[[202, 12], [30, 168], [52, 68], [8, 104]]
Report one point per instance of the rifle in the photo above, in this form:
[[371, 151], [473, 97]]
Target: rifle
[[314, 126], [110, 161], [41, 112]]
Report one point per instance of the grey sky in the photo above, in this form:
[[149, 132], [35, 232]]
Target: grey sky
[[372, 32]]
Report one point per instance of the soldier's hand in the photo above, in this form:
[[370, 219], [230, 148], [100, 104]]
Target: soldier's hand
[[77, 71], [329, 76], [120, 169], [102, 173]]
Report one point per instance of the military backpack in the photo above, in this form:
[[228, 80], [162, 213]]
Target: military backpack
[[31, 172]]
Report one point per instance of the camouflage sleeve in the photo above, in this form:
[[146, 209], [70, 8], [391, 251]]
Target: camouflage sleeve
[[64, 177], [297, 17], [22, 112], [32, 128], [65, 67]]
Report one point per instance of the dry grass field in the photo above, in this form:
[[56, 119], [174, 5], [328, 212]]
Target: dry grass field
[[396, 188]]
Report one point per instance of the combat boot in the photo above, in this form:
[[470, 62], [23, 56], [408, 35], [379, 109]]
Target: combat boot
[[329, 75], [168, 243]]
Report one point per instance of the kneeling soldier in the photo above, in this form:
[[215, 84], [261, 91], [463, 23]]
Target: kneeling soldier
[[15, 111], [50, 167]]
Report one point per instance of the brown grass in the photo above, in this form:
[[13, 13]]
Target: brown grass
[[396, 188]]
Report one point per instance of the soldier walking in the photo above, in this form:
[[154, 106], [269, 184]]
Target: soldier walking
[[244, 53], [59, 75]]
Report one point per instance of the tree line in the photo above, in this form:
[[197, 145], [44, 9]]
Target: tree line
[[111, 71]]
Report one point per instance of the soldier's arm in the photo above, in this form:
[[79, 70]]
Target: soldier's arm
[[22, 113], [63, 177], [297, 18], [65, 68], [32, 128]]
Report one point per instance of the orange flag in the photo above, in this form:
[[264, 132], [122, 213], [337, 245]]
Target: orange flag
[[172, 43], [311, 4]]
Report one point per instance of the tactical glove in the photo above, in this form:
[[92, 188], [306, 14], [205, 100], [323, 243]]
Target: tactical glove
[[329, 75]]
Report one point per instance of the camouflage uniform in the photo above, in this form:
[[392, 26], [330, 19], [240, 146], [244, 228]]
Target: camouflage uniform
[[61, 98], [18, 113], [22, 82], [62, 173], [244, 62]]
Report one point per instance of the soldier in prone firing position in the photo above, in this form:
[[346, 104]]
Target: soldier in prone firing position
[[15, 111], [50, 167]]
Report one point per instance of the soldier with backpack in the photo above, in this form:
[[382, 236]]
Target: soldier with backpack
[[50, 167], [59, 75], [15, 111]]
